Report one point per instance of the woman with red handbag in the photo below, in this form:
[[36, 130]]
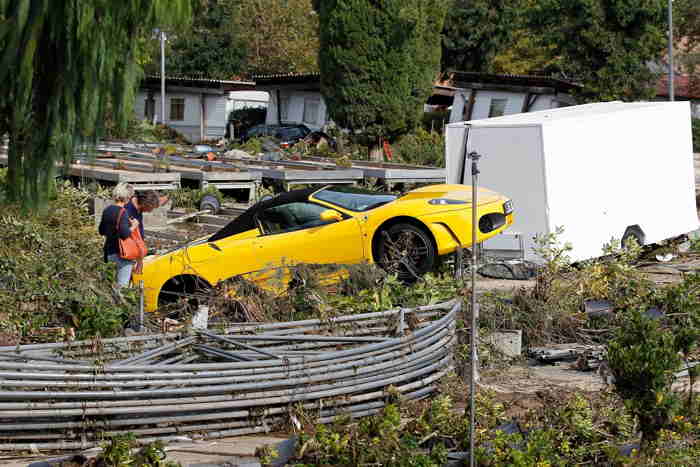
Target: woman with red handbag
[[116, 226]]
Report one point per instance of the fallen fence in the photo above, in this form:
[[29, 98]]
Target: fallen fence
[[249, 378]]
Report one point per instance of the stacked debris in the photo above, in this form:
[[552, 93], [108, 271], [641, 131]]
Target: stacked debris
[[249, 378]]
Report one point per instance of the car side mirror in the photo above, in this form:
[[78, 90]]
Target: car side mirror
[[330, 215]]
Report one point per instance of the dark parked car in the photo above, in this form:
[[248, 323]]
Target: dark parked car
[[288, 134]]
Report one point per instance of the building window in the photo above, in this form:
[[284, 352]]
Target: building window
[[311, 111], [177, 108], [284, 108], [497, 107]]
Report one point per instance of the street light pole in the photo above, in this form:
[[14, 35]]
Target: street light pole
[[474, 368], [162, 77], [671, 96]]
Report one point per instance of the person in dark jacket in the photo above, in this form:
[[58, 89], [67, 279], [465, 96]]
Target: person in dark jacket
[[144, 201], [116, 223]]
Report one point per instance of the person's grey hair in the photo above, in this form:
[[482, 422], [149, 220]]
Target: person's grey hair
[[123, 192]]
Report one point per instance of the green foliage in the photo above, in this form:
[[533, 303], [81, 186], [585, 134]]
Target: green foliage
[[421, 147], [118, 451], [211, 46], [281, 35], [642, 358], [144, 130], [52, 272], [3, 185], [696, 135], [604, 44], [382, 440], [378, 61], [61, 62], [476, 31], [686, 26], [188, 198]]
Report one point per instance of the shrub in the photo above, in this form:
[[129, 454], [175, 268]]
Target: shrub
[[642, 358], [696, 134], [52, 272], [422, 147]]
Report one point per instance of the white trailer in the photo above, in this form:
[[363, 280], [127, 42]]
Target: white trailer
[[600, 171]]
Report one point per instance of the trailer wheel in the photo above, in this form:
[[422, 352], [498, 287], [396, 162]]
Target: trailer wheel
[[633, 232], [407, 251]]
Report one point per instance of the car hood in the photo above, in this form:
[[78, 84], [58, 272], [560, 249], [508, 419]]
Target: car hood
[[455, 192]]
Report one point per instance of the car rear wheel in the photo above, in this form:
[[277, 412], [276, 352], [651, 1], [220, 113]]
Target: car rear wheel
[[407, 251]]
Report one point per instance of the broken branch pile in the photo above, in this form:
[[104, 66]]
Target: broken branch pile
[[250, 378]]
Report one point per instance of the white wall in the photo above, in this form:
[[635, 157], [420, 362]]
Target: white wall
[[215, 113], [295, 108], [514, 104]]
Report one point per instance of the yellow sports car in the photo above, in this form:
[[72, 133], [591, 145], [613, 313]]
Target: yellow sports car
[[335, 224]]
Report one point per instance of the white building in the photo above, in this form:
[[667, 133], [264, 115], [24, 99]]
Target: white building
[[296, 97], [483, 95], [197, 108]]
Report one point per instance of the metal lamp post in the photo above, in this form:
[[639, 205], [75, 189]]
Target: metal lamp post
[[162, 76], [474, 156]]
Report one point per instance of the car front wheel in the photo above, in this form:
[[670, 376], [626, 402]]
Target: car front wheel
[[407, 251]]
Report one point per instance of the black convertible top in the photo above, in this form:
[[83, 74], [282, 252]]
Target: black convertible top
[[246, 221]]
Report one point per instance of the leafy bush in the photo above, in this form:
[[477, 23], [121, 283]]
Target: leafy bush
[[422, 148], [696, 134], [188, 198], [52, 272], [643, 357]]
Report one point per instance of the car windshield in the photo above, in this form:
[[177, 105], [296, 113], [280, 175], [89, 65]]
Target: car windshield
[[354, 199]]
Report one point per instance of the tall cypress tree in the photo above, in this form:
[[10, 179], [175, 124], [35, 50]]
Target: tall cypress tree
[[60, 63], [378, 60]]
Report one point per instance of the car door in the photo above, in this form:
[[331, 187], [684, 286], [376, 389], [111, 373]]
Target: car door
[[293, 233]]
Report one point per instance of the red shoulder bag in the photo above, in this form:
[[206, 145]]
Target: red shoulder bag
[[132, 247]]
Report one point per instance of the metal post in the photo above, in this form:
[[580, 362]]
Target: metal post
[[671, 95], [162, 77], [140, 306], [475, 312]]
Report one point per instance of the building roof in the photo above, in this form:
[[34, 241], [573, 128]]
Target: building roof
[[467, 79], [199, 82], [684, 86], [283, 78]]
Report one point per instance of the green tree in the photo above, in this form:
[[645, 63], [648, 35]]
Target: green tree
[[211, 46], [61, 63], [378, 62], [605, 44], [281, 35], [476, 31]]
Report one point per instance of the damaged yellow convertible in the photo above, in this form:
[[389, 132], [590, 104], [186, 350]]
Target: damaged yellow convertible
[[332, 225]]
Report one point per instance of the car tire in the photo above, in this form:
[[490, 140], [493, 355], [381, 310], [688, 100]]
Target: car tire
[[407, 251]]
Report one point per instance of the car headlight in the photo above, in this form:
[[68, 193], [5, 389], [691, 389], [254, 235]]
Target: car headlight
[[508, 207], [440, 201]]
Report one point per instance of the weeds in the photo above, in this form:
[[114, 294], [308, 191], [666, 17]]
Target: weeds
[[52, 272]]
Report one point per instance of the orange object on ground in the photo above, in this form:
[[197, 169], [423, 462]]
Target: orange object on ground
[[387, 150]]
